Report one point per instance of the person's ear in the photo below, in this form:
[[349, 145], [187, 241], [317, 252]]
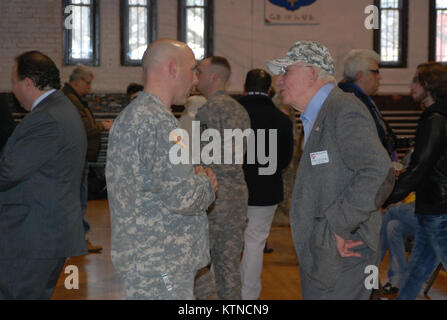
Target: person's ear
[[173, 69], [214, 77], [313, 75], [28, 83], [359, 75]]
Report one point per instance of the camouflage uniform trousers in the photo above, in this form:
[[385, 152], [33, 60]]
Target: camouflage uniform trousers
[[227, 221], [205, 285], [178, 286]]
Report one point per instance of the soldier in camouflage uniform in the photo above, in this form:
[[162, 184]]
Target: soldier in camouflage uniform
[[228, 217], [158, 209]]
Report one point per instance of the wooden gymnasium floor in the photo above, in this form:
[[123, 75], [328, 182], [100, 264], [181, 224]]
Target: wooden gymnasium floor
[[280, 277]]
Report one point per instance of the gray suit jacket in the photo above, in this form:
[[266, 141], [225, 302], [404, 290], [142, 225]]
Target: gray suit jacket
[[343, 195], [40, 181]]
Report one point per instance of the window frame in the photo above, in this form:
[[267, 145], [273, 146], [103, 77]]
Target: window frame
[[403, 36], [151, 30], [209, 25], [95, 30]]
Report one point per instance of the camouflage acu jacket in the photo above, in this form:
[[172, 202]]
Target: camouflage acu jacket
[[223, 112], [158, 219]]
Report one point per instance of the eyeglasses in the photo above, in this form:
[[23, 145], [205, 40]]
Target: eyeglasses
[[283, 70], [376, 71]]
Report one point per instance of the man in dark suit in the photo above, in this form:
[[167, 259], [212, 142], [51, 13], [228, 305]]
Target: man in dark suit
[[7, 123], [343, 178], [40, 179], [265, 191]]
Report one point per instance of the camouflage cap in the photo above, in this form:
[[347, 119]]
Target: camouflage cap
[[310, 52]]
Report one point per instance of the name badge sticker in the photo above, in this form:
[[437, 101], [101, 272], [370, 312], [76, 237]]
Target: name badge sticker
[[317, 158]]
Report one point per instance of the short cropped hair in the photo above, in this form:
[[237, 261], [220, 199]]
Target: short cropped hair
[[221, 62], [432, 76], [39, 68], [358, 60], [258, 80], [80, 72]]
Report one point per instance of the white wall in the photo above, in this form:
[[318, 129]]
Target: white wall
[[239, 34]]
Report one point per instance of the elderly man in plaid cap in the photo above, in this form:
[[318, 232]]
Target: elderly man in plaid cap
[[344, 176]]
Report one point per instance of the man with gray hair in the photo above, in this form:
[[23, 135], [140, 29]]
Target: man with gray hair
[[362, 77], [344, 176], [78, 87]]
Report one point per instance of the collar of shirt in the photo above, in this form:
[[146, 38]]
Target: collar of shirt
[[41, 98], [257, 93], [218, 93], [363, 92], [309, 116], [358, 88]]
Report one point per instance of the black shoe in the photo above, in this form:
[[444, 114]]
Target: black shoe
[[389, 289], [375, 294], [268, 250]]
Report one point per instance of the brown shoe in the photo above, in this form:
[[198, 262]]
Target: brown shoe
[[91, 248]]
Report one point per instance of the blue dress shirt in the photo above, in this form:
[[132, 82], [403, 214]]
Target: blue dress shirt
[[309, 116]]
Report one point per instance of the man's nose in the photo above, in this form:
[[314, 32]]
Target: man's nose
[[195, 79], [279, 80]]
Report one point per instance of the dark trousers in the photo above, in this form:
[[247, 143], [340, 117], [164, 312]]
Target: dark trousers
[[29, 279]]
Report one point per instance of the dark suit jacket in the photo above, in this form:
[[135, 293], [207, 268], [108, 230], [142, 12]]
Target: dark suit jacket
[[7, 123], [386, 134], [267, 190], [343, 195], [40, 182]]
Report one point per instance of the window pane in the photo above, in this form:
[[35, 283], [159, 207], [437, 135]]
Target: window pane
[[138, 37], [389, 37], [195, 31], [195, 3], [441, 35], [389, 4], [80, 2], [81, 34], [138, 2], [441, 4]]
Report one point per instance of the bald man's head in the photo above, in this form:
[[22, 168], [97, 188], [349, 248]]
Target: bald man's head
[[161, 51], [169, 68]]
